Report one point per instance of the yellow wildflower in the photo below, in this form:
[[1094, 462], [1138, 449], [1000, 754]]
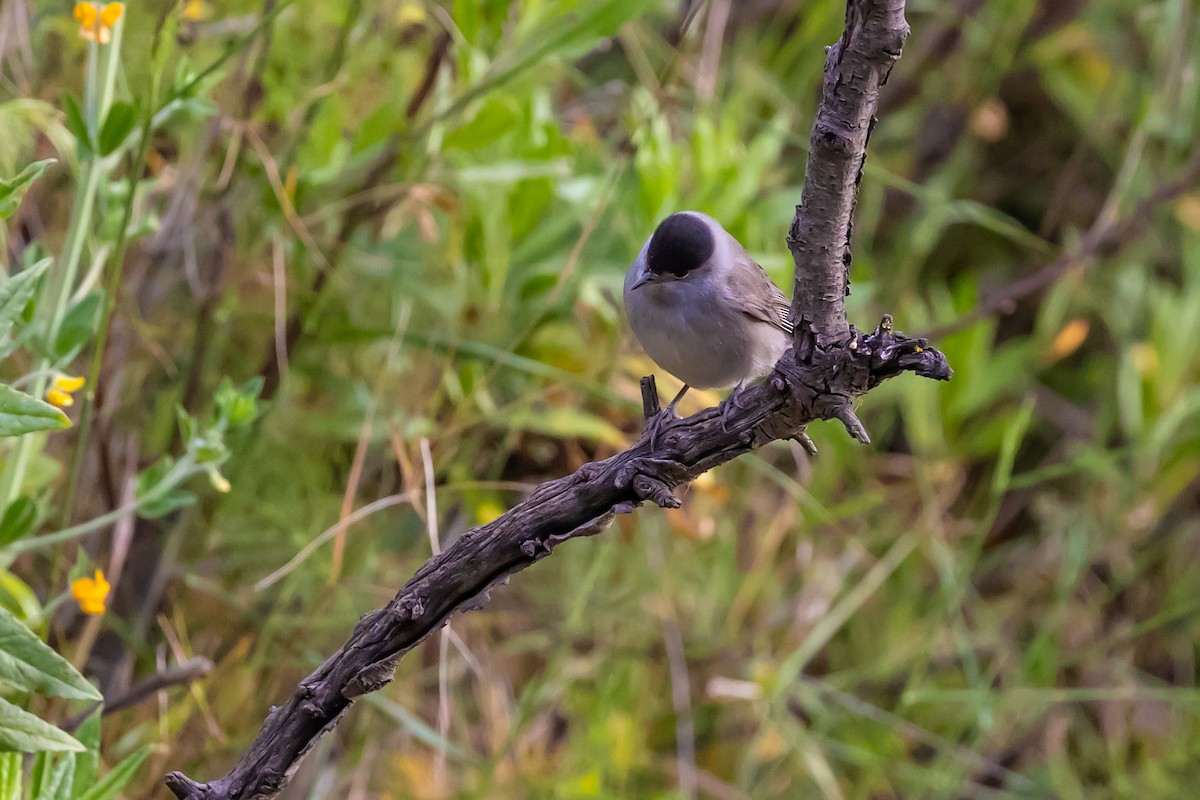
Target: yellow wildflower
[[57, 397], [218, 481], [59, 393], [194, 10], [70, 383], [1069, 339], [91, 593], [96, 21], [409, 14], [111, 13], [87, 14], [1144, 357], [1187, 211]]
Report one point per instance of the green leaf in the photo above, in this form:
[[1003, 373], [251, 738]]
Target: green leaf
[[495, 117], [152, 475], [87, 765], [164, 504], [39, 774], [78, 326], [78, 127], [21, 413], [11, 768], [565, 35], [117, 126], [208, 448], [108, 787], [237, 406], [13, 189], [161, 506], [29, 664], [25, 733], [15, 295], [57, 784], [18, 520], [187, 426], [415, 725], [17, 597]]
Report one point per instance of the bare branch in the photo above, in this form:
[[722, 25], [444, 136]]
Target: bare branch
[[855, 69]]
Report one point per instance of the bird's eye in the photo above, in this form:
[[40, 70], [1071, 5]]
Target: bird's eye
[[681, 273]]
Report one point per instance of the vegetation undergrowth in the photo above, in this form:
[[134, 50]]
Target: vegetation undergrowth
[[296, 293]]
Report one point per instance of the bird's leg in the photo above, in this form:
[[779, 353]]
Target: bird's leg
[[657, 424], [671, 405], [730, 402]]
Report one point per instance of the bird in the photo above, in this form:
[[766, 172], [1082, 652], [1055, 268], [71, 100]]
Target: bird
[[703, 309]]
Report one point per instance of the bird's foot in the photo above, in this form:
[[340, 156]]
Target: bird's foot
[[804, 440], [658, 424], [731, 404]]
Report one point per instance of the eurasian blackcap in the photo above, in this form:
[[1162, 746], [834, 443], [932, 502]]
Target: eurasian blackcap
[[703, 309]]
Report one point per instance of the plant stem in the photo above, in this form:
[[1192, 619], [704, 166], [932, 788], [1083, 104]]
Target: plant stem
[[89, 87], [96, 104], [176, 475], [14, 474], [112, 285], [110, 71]]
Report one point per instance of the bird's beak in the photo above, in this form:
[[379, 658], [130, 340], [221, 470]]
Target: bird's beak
[[643, 279]]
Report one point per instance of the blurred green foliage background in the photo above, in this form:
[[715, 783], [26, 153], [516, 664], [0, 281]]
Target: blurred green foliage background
[[411, 221]]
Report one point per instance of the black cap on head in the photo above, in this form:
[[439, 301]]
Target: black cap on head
[[681, 243]]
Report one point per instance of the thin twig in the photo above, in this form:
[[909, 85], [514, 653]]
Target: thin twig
[[178, 675], [710, 53], [279, 289], [271, 167], [441, 48], [1108, 235], [356, 470], [330, 532], [435, 545]]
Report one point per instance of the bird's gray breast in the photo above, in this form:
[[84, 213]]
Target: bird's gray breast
[[691, 332]]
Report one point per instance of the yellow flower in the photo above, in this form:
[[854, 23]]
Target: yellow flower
[[218, 481], [87, 13], [111, 13], [57, 397], [1144, 357], [194, 10], [410, 14], [91, 593], [96, 21], [59, 393], [1187, 211], [70, 383], [1069, 339]]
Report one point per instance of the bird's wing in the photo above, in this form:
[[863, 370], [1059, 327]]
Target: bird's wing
[[756, 295]]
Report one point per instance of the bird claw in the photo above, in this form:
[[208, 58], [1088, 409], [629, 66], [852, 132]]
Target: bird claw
[[658, 424], [731, 401], [804, 440]]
